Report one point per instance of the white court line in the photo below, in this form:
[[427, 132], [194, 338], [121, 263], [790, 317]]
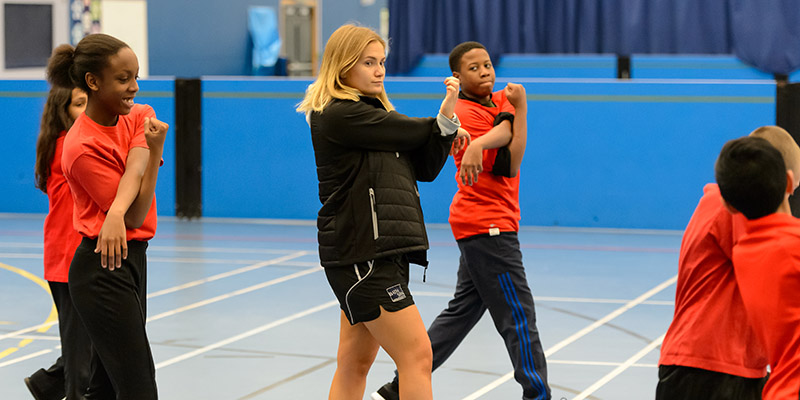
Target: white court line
[[601, 301], [625, 365], [185, 308], [186, 260], [559, 299], [227, 274], [28, 329], [234, 250], [245, 335], [37, 337], [261, 221], [27, 357], [173, 289], [583, 332], [20, 245], [301, 263], [598, 363], [234, 293], [21, 255], [192, 249], [183, 260], [181, 309]]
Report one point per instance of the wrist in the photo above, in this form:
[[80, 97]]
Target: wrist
[[159, 147], [155, 155], [115, 212]]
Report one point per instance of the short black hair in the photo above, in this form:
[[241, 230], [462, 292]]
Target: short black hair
[[458, 52], [751, 175]]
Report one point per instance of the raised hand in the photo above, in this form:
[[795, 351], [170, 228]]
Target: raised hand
[[515, 93], [155, 132], [449, 103]]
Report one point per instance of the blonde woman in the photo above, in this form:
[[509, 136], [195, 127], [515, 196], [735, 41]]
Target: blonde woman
[[370, 226]]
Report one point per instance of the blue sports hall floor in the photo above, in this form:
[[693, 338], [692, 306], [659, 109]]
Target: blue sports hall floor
[[240, 309]]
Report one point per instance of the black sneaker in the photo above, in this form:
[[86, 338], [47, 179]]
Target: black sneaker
[[388, 391]]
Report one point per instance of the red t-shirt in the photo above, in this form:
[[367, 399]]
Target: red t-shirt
[[492, 203], [767, 264], [710, 329], [60, 238], [94, 160]]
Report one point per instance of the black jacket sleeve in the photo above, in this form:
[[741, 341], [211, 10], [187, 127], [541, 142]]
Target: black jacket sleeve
[[429, 160], [357, 124]]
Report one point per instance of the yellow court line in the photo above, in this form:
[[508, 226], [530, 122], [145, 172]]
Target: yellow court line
[[50, 318]]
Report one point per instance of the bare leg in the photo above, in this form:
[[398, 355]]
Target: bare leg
[[357, 351], [402, 334]]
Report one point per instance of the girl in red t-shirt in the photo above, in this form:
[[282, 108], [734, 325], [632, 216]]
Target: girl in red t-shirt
[[69, 376], [110, 160]]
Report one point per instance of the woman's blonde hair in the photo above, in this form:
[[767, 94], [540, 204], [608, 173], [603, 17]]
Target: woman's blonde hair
[[342, 52]]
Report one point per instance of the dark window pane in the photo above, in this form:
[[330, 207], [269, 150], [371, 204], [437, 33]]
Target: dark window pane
[[29, 34]]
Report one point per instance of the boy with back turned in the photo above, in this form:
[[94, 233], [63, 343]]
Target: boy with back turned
[[756, 181]]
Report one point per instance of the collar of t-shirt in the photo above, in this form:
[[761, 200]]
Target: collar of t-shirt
[[772, 221], [462, 96]]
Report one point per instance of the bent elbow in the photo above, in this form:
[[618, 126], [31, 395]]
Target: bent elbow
[[514, 168], [133, 222]]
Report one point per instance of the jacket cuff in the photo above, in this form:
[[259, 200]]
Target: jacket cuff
[[448, 126]]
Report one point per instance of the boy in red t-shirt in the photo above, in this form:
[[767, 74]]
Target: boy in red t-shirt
[[753, 179], [695, 362], [484, 217]]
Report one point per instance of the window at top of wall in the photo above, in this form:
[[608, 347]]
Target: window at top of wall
[[28, 35]]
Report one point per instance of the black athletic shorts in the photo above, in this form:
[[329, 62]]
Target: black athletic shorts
[[681, 383], [365, 287]]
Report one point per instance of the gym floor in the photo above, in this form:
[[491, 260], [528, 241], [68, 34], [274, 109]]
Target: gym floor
[[240, 309]]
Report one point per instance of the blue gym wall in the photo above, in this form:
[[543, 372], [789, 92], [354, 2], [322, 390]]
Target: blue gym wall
[[601, 153], [22, 103]]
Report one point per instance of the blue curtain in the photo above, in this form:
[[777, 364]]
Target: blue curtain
[[763, 33]]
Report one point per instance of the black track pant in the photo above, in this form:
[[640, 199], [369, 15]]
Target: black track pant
[[111, 305], [69, 376], [49, 384], [491, 276]]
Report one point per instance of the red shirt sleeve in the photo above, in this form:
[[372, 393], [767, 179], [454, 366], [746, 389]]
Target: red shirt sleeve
[[505, 105], [98, 177], [723, 231], [139, 114]]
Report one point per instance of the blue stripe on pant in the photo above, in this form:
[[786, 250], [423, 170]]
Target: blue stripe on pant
[[491, 276], [521, 320]]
